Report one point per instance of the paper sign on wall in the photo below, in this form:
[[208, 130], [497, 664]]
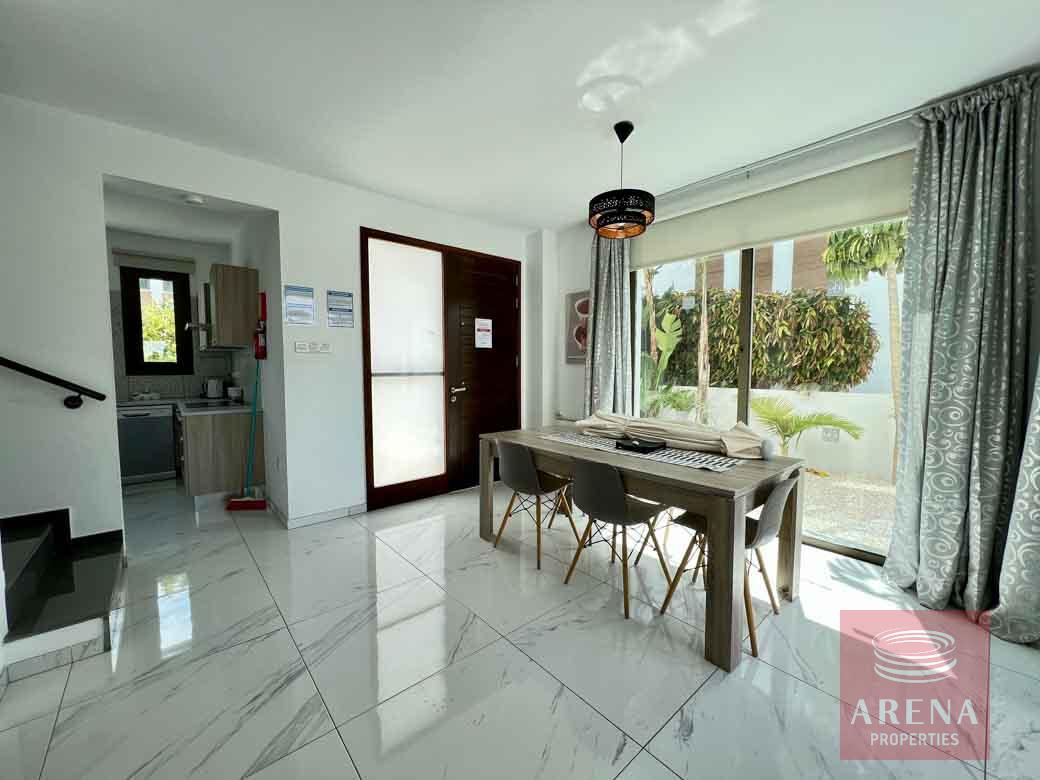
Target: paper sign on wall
[[483, 335], [340, 309], [298, 302]]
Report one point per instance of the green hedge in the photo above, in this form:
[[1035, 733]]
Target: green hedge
[[800, 338]]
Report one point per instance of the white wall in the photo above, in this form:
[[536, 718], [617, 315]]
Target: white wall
[[260, 249], [574, 247], [54, 304]]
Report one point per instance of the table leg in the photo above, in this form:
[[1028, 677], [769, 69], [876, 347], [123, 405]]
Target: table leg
[[789, 556], [723, 631], [487, 489]]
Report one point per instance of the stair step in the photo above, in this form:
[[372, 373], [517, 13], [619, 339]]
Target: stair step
[[20, 546], [27, 556], [76, 585]]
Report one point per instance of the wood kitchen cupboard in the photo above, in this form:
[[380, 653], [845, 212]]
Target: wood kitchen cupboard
[[215, 449], [233, 307]]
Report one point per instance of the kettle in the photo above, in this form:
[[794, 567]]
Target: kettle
[[214, 388]]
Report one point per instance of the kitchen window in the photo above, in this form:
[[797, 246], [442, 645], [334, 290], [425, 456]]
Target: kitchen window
[[156, 309]]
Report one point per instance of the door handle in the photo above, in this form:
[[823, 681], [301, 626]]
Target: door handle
[[454, 390]]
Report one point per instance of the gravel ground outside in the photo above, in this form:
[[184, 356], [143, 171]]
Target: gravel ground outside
[[851, 510]]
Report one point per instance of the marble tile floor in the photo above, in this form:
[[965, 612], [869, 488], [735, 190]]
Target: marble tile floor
[[398, 644]]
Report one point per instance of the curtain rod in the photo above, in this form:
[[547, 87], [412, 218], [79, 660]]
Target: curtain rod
[[823, 143]]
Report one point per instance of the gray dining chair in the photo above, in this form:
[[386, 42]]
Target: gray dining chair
[[759, 532], [599, 492], [518, 472]]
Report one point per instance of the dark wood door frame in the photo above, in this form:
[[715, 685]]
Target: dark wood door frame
[[409, 491]]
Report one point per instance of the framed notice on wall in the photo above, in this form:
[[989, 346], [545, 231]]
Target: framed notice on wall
[[298, 303], [340, 309]]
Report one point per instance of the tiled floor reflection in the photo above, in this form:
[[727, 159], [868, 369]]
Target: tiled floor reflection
[[398, 644]]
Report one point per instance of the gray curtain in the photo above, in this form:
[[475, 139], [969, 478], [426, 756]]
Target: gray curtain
[[608, 361], [1017, 616], [969, 276]]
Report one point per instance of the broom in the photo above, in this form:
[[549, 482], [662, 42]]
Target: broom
[[247, 502]]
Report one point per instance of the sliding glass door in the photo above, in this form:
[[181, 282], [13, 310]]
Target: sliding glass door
[[823, 374]]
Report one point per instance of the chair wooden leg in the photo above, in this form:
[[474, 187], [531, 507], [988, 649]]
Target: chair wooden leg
[[509, 511], [700, 558], [566, 502], [624, 564], [678, 574], [660, 554], [646, 539], [538, 527], [613, 545], [769, 585], [577, 553], [552, 513], [574, 528], [749, 609]]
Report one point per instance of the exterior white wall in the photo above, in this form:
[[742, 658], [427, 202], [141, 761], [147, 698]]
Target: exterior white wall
[[54, 311], [870, 455]]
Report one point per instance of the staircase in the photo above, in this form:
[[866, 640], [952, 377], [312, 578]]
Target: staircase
[[51, 580]]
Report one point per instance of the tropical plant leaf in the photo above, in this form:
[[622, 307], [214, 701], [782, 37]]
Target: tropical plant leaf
[[779, 417]]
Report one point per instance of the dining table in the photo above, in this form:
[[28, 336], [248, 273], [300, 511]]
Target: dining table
[[722, 498]]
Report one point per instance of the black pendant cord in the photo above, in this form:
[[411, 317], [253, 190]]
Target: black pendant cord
[[621, 186]]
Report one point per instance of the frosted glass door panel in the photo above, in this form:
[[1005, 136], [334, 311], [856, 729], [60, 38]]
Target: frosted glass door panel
[[408, 434], [406, 308]]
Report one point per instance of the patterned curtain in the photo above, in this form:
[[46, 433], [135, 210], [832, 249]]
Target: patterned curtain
[[1017, 616], [969, 276], [608, 361]]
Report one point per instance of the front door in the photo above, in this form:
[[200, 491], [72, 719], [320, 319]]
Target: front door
[[441, 337], [482, 303]]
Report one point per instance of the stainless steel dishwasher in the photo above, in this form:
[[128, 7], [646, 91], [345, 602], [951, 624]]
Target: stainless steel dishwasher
[[146, 447]]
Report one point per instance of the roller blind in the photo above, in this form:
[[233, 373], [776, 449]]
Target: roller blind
[[153, 263], [870, 192]]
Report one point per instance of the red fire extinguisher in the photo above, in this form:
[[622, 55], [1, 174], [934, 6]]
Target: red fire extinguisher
[[260, 335]]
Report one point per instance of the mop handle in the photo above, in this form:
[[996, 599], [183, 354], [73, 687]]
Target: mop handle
[[252, 433]]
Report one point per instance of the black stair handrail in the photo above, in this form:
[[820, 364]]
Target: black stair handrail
[[72, 401]]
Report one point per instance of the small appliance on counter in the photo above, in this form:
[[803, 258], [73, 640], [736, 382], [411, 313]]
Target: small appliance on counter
[[214, 388], [234, 393]]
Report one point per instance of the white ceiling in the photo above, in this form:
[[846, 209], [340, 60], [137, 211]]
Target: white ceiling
[[483, 107]]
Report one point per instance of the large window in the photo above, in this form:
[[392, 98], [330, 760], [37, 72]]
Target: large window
[[156, 309], [689, 340], [824, 372]]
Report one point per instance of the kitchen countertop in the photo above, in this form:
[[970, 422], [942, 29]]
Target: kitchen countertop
[[155, 402], [184, 411]]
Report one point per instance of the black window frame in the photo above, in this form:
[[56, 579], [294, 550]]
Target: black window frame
[[133, 348]]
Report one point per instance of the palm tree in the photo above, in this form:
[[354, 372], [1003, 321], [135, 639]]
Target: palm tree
[[651, 315], [851, 256], [780, 419], [703, 364]]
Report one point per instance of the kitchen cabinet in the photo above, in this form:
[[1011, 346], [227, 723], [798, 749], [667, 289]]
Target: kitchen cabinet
[[214, 449], [230, 307]]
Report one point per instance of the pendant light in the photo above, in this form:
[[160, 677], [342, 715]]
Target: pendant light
[[621, 213]]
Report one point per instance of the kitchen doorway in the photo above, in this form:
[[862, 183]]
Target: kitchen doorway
[[441, 336]]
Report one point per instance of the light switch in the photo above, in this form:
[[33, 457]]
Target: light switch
[[302, 346], [325, 348]]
